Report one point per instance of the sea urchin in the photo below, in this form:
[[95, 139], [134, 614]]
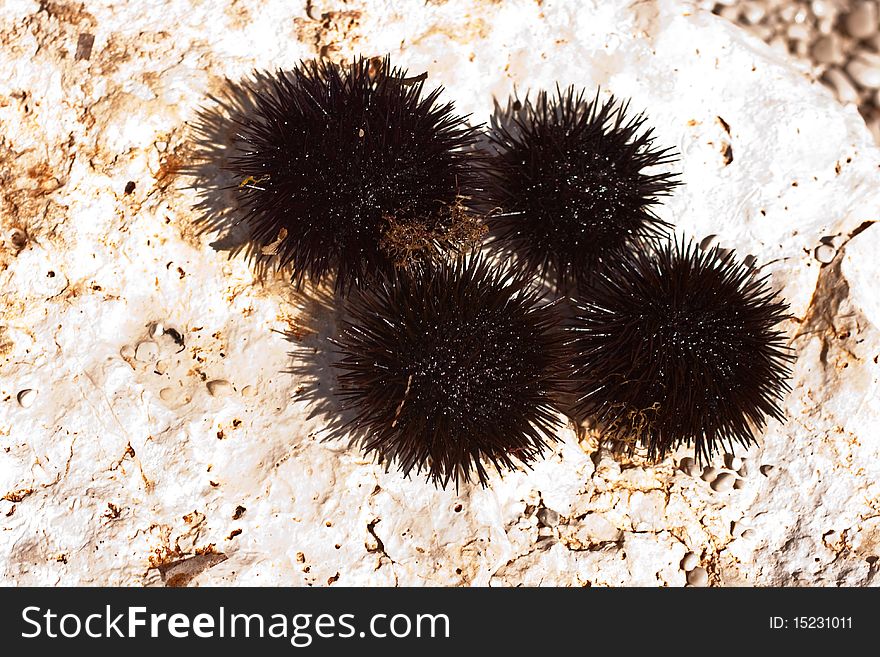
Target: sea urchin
[[449, 366], [568, 187], [350, 170], [676, 345]]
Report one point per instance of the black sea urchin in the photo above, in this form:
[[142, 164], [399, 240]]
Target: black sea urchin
[[351, 170], [568, 185], [679, 346], [450, 365]]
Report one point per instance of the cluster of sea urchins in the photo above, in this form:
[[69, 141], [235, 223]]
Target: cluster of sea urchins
[[447, 362]]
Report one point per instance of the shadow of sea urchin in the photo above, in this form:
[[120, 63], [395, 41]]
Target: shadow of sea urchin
[[348, 171], [450, 365], [568, 187], [678, 346]]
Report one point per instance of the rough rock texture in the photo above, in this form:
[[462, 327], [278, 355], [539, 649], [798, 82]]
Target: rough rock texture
[[123, 466], [838, 40]]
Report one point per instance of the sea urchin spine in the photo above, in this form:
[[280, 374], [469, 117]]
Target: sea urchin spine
[[348, 170], [675, 345], [568, 187], [452, 365]]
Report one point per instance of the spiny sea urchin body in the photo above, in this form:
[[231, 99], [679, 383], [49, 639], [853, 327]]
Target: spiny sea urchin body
[[568, 187], [450, 366], [679, 346], [348, 171]]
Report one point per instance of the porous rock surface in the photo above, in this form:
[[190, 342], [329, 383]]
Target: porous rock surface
[[128, 458]]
